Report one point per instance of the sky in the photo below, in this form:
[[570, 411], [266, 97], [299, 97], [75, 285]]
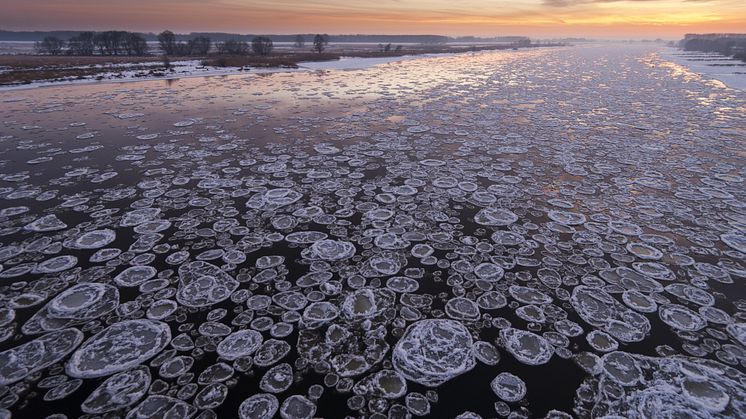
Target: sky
[[668, 19]]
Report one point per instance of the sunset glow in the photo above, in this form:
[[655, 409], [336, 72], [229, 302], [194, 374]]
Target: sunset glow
[[539, 18]]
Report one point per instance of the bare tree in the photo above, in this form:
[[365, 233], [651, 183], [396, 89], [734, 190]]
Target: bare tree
[[182, 49], [100, 41], [199, 45], [120, 43], [139, 44], [300, 41], [81, 44], [233, 47], [108, 43], [320, 42], [261, 45], [134, 44], [50, 45], [196, 46], [167, 39]]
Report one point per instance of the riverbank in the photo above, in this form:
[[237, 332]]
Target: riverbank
[[727, 70], [26, 70]]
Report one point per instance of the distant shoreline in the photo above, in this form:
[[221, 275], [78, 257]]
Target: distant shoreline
[[32, 36]]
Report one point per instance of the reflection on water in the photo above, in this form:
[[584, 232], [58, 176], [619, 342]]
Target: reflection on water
[[554, 230]]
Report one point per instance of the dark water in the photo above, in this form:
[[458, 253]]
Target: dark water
[[620, 174]]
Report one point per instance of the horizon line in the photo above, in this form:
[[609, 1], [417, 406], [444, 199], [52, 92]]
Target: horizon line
[[585, 37]]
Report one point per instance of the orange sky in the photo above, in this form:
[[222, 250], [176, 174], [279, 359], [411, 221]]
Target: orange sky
[[537, 18]]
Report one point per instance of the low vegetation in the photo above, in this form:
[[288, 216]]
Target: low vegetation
[[261, 45], [731, 45], [320, 43], [110, 43], [27, 76], [288, 60], [199, 45], [24, 69]]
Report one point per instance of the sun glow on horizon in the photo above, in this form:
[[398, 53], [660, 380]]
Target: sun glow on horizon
[[541, 18]]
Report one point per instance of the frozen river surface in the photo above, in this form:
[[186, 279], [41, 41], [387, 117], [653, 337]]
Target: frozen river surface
[[535, 233]]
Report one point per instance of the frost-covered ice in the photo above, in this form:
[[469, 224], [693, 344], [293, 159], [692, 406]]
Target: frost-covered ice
[[159, 406], [432, 352], [93, 239], [75, 305], [598, 308], [22, 360], [445, 237], [259, 406], [357, 63], [135, 275], [240, 344], [508, 387], [203, 284], [46, 223], [527, 347], [331, 250], [495, 217], [119, 347], [118, 391], [663, 387]]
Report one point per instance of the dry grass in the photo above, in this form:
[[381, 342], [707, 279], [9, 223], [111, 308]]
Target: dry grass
[[274, 60], [29, 75], [36, 61]]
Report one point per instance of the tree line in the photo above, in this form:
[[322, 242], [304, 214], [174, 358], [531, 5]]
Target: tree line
[[135, 44], [199, 45], [90, 43], [734, 46], [260, 45]]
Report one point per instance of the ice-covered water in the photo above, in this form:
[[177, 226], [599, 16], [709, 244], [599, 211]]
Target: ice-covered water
[[547, 232]]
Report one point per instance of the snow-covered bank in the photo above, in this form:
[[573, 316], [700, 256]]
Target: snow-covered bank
[[727, 70], [194, 68], [180, 69]]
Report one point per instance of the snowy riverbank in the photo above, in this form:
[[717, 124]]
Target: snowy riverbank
[[727, 70], [194, 68]]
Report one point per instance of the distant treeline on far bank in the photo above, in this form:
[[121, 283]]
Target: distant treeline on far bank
[[728, 44], [223, 36], [118, 43]]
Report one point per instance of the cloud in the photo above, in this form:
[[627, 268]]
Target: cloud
[[634, 18], [570, 3]]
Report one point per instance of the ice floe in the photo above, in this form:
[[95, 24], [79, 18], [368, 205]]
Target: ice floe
[[119, 347], [432, 352]]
